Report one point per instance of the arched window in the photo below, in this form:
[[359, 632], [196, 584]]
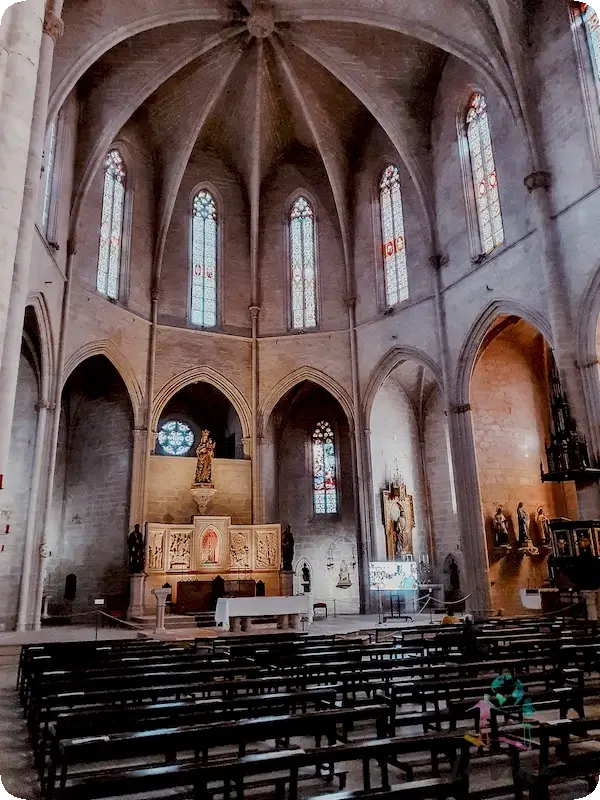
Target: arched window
[[392, 236], [49, 175], [111, 226], [203, 291], [483, 170], [324, 470], [175, 438], [591, 24], [303, 270]]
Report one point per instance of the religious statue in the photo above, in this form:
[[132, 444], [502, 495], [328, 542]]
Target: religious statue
[[305, 578], [135, 543], [287, 548], [344, 577], [543, 524], [500, 528], [205, 453], [523, 522]]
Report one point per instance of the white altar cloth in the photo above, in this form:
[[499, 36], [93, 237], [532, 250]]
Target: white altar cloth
[[228, 607]]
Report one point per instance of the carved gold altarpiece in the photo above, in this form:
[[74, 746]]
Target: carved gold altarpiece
[[211, 546]]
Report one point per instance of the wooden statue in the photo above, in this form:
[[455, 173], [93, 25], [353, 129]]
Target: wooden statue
[[205, 453]]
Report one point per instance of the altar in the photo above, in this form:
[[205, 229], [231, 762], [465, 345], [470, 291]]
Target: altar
[[206, 548], [236, 613]]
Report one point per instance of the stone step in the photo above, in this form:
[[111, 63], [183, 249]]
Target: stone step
[[176, 621]]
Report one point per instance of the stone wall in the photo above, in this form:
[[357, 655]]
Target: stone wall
[[169, 481]]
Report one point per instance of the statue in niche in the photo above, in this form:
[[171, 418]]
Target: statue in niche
[[305, 578], [135, 543], [344, 581], [210, 543], [287, 548], [523, 523], [500, 528], [205, 453], [543, 524]]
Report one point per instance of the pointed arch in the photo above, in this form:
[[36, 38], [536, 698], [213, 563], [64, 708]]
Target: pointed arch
[[37, 302], [474, 339], [302, 263], [388, 364], [297, 376], [206, 375], [106, 348]]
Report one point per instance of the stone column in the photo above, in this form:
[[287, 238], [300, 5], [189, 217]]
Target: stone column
[[23, 37], [161, 599], [53, 28], [256, 504], [137, 586], [32, 516], [472, 532]]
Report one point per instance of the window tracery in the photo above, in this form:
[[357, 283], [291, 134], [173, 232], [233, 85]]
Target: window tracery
[[175, 438], [303, 269], [49, 174], [483, 170], [392, 234], [111, 225], [324, 470], [203, 292]]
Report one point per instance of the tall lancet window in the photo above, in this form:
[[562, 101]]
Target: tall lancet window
[[483, 168], [303, 269], [324, 470], [48, 179], [591, 23], [203, 292], [392, 233], [111, 226]]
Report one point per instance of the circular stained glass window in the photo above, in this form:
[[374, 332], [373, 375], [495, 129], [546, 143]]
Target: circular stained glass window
[[175, 438]]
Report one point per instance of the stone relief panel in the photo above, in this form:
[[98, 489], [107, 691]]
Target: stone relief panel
[[155, 560], [267, 545], [180, 551], [209, 547], [240, 549]]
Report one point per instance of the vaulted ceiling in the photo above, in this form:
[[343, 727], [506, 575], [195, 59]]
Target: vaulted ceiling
[[250, 82]]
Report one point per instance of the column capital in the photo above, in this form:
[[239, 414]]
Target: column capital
[[538, 180], [155, 295], [350, 302], [254, 311], [45, 405], [53, 24], [462, 409]]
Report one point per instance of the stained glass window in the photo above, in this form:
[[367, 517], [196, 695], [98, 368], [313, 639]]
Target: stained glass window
[[392, 235], [302, 252], [485, 182], [203, 301], [111, 225], [175, 438], [324, 470], [591, 23], [49, 174]]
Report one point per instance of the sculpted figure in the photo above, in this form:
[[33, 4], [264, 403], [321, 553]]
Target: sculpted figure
[[135, 543], [523, 521], [287, 548], [543, 526], [500, 528], [205, 453]]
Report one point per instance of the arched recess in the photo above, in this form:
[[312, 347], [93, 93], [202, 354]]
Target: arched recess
[[408, 445], [312, 488], [92, 488], [106, 348], [305, 373], [511, 416], [388, 363], [37, 302], [588, 355], [475, 337], [207, 375]]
